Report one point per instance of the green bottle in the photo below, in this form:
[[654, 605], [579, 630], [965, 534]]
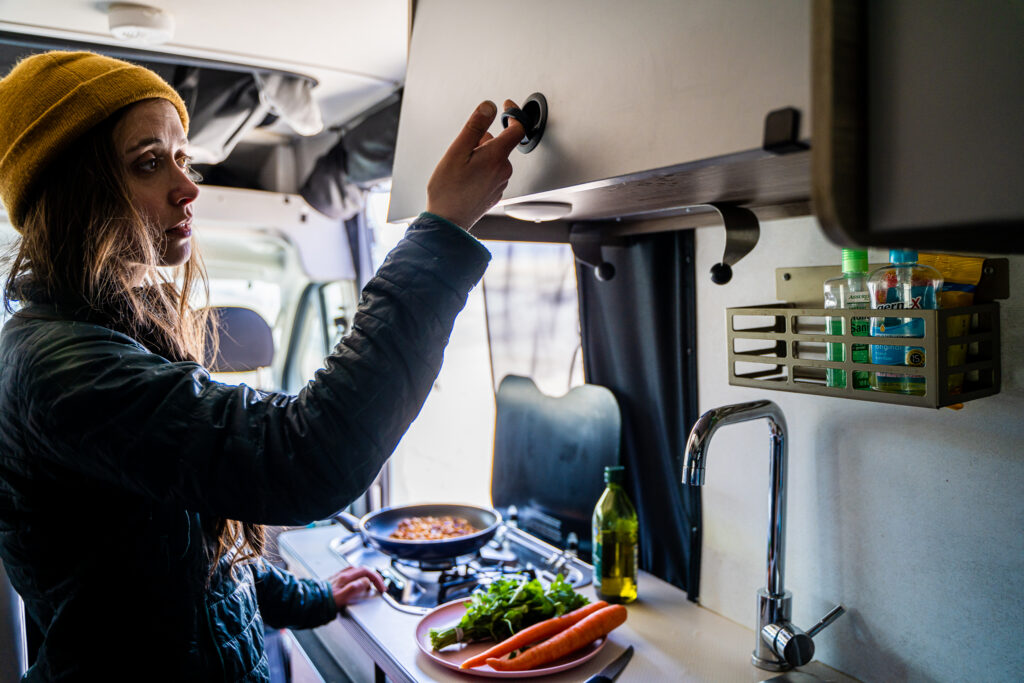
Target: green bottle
[[849, 290], [615, 529]]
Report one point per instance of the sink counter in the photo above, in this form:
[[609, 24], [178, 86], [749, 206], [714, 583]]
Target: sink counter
[[673, 638]]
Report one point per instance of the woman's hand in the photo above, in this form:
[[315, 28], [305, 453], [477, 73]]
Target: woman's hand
[[354, 583], [474, 171]]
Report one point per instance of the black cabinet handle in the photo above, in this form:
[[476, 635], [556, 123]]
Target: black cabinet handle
[[533, 115]]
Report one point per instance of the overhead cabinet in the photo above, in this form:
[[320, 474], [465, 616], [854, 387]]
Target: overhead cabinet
[[899, 127], [918, 136], [651, 104]]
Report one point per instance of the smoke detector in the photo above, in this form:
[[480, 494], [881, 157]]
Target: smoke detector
[[140, 24]]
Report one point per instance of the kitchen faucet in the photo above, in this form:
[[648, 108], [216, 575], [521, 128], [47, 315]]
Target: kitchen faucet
[[780, 644]]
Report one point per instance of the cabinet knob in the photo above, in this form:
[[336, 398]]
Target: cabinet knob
[[533, 115]]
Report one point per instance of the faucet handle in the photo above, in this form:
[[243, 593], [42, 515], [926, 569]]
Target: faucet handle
[[793, 645], [826, 620]]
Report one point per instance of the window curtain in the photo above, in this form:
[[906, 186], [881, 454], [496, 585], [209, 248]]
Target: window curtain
[[639, 340]]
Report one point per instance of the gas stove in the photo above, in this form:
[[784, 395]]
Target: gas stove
[[417, 587]]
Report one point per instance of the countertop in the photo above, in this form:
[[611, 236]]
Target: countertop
[[673, 638]]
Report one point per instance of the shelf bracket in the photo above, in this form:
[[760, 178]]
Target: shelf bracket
[[742, 231]]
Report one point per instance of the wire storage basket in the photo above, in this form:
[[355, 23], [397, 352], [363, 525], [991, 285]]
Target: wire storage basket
[[785, 348]]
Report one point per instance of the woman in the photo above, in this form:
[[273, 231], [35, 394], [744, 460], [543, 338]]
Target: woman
[[132, 486]]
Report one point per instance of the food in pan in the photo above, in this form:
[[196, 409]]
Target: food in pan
[[432, 528]]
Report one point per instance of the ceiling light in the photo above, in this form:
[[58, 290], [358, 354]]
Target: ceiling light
[[538, 212], [140, 24]]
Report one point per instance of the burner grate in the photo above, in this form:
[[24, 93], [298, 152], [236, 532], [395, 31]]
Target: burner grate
[[417, 587]]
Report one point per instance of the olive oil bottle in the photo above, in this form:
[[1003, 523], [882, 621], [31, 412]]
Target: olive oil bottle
[[615, 540]]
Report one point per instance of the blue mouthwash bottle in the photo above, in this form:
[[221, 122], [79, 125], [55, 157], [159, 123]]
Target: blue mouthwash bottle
[[903, 284], [849, 290]]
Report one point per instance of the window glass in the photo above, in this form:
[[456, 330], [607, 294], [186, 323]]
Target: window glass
[[8, 238], [533, 315], [261, 271], [260, 296], [339, 301], [446, 454], [310, 340]]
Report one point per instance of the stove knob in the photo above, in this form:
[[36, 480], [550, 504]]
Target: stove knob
[[572, 544]]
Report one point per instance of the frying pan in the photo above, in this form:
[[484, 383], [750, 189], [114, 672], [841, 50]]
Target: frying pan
[[377, 527]]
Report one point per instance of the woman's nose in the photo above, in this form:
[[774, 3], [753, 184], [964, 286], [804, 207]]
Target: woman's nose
[[185, 190]]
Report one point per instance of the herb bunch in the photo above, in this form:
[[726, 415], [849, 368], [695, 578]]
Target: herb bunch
[[507, 607]]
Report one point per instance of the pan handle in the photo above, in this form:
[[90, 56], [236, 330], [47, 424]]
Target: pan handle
[[347, 520]]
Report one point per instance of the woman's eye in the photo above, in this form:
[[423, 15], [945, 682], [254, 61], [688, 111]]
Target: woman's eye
[[185, 163], [148, 165]]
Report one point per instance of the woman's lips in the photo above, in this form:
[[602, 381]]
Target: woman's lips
[[182, 230]]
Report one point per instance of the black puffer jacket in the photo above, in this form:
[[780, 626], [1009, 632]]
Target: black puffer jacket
[[111, 457]]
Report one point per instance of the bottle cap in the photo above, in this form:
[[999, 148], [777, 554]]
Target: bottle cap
[[614, 474], [855, 260], [903, 256]]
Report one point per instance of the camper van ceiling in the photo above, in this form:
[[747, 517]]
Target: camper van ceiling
[[225, 102], [354, 50], [278, 75]]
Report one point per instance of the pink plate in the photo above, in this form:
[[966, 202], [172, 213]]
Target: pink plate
[[449, 614]]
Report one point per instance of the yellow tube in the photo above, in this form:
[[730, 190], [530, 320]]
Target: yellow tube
[[960, 278]]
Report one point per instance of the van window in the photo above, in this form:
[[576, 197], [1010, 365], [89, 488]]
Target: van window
[[8, 236], [533, 315], [526, 301]]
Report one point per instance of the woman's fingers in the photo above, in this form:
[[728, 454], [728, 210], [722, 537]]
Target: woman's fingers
[[513, 135], [485, 139], [469, 137], [352, 592], [353, 583], [471, 176], [353, 573]]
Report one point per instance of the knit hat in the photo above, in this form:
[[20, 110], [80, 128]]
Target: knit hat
[[49, 100]]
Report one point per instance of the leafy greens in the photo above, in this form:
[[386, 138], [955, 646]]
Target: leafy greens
[[507, 607]]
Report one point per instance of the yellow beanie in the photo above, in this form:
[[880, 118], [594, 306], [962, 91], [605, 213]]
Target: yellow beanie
[[49, 100]]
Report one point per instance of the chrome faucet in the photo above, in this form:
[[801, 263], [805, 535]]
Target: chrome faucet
[[780, 645]]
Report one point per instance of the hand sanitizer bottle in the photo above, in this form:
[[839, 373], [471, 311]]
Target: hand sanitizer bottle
[[849, 290], [903, 284]]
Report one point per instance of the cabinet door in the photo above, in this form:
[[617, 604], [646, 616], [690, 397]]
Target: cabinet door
[[919, 139], [630, 86]]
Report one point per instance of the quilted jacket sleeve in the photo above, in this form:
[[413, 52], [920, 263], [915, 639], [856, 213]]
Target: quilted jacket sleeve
[[96, 402], [287, 601]]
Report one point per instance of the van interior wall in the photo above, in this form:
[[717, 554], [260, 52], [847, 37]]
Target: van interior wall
[[910, 517]]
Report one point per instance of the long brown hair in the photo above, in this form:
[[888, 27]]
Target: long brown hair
[[84, 242]]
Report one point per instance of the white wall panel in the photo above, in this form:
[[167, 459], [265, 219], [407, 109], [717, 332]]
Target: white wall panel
[[912, 518]]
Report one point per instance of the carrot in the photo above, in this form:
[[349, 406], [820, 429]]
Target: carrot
[[539, 631], [600, 623]]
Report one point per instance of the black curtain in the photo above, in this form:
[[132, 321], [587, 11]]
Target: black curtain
[[639, 340]]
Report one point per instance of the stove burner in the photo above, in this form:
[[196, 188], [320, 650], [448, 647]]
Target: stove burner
[[416, 587], [496, 553], [434, 566]]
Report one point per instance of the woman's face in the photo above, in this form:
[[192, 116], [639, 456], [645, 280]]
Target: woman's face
[[151, 142]]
